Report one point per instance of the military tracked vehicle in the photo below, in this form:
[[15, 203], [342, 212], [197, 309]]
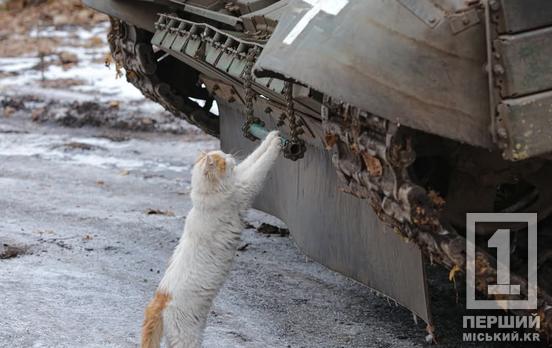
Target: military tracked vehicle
[[400, 116]]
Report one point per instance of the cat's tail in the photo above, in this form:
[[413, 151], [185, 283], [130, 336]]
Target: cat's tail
[[152, 329]]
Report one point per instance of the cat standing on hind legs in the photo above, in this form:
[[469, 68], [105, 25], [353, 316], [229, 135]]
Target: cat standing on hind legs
[[221, 191]]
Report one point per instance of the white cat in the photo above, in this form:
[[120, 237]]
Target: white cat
[[203, 258]]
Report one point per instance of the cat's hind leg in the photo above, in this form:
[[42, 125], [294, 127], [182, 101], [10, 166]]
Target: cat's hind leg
[[182, 330], [152, 329]]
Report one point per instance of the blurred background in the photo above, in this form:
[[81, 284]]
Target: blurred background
[[55, 67]]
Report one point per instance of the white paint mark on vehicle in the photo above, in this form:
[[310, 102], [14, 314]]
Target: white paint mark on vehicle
[[332, 7]]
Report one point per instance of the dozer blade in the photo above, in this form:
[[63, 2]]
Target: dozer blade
[[334, 228]]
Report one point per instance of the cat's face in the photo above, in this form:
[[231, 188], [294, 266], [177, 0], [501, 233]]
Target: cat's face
[[213, 169]]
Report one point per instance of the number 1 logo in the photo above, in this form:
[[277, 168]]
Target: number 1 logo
[[500, 241]]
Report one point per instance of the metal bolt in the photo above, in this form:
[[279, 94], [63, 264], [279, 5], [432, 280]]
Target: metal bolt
[[502, 133], [494, 5], [498, 69]]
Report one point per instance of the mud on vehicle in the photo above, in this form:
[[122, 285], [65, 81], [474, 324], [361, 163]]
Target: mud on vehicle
[[400, 117]]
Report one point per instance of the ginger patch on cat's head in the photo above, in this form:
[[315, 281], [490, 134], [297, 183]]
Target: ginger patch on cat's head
[[220, 163], [215, 163]]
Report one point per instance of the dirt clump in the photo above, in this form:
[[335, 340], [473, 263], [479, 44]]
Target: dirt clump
[[159, 212], [67, 58], [9, 251], [269, 230]]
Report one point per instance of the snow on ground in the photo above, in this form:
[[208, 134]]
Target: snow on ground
[[51, 91], [98, 81]]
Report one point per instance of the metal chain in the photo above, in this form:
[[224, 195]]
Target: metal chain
[[283, 115], [296, 146], [249, 94]]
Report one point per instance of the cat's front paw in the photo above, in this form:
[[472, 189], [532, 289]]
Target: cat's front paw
[[272, 135], [276, 144]]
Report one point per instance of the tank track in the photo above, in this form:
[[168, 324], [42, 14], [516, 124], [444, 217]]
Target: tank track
[[372, 157], [131, 50]]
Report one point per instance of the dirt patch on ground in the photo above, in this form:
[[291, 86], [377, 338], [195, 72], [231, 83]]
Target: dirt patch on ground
[[21, 17], [61, 83], [92, 113], [78, 146], [270, 230], [159, 212]]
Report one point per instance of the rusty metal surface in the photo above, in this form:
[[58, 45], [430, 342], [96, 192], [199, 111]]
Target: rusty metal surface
[[334, 228], [520, 77], [376, 160], [528, 121], [399, 68], [527, 63], [517, 16]]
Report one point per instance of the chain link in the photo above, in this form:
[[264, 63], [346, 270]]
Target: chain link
[[296, 147], [250, 94]]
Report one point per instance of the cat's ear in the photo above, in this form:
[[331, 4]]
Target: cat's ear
[[209, 165], [200, 156]]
